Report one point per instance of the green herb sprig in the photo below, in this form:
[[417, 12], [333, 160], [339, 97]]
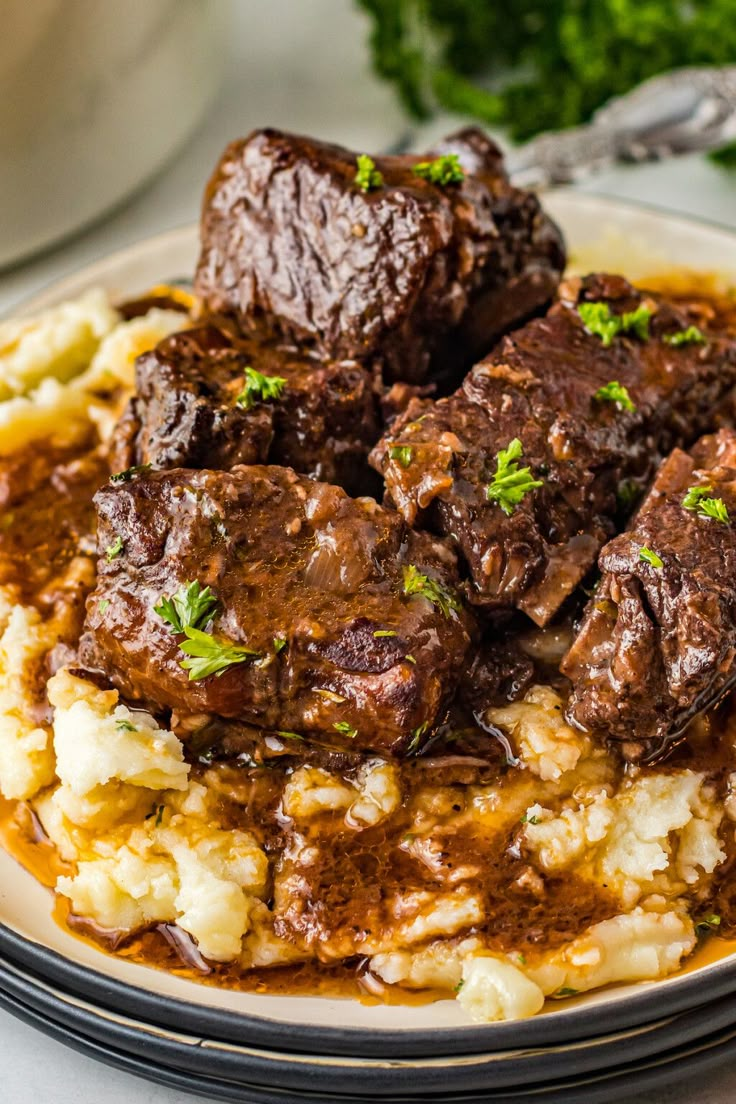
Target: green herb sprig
[[208, 655], [690, 336], [599, 320], [367, 176], [510, 483], [113, 550], [259, 388], [191, 607], [402, 454], [127, 475], [442, 170], [650, 557], [415, 582], [616, 393], [699, 501]]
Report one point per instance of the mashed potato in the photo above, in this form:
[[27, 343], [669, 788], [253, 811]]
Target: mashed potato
[[71, 368]]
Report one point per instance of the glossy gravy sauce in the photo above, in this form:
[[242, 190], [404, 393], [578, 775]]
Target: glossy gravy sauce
[[46, 518]]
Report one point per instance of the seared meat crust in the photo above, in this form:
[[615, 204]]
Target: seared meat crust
[[288, 560], [658, 643], [421, 277], [540, 386]]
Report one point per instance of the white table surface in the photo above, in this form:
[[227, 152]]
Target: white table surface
[[301, 66]]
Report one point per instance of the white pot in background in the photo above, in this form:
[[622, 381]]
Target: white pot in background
[[95, 95]]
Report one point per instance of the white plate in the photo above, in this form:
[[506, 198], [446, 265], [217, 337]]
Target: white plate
[[601, 233]]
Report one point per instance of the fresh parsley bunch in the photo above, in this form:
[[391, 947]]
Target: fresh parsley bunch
[[539, 64]]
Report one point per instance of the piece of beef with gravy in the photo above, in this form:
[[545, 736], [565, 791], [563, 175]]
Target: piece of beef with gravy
[[657, 644], [529, 466], [328, 618], [207, 399], [417, 265]]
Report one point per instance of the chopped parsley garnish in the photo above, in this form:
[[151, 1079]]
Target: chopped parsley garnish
[[114, 549], [278, 644], [530, 819], [627, 494], [599, 320], [698, 500], [650, 557], [416, 736], [367, 176], [385, 632], [410, 658], [443, 170], [401, 453], [707, 924], [191, 607], [125, 476], [289, 735], [417, 583], [690, 336], [566, 992], [206, 655], [103, 605], [510, 483], [616, 393], [346, 729], [159, 816], [459, 985], [125, 725], [259, 388]]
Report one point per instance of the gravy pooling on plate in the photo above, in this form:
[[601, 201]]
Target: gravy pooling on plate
[[266, 732]]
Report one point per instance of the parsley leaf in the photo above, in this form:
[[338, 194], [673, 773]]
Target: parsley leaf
[[510, 483], [346, 729], [417, 583], [367, 176], [191, 607], [401, 453], [125, 726], [114, 549], [278, 644], [599, 320], [416, 737], [385, 632], [707, 924], [616, 393], [206, 655], [650, 557], [125, 476], [443, 170], [690, 336], [289, 735], [103, 605], [697, 500], [566, 992], [259, 388]]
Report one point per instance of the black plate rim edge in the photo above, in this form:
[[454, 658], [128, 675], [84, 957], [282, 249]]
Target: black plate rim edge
[[201, 1060], [600, 1091], [230, 1026]]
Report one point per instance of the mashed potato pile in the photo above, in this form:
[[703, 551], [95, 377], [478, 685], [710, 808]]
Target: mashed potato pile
[[146, 841]]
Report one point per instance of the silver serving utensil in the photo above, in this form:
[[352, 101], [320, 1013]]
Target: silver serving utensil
[[683, 111]]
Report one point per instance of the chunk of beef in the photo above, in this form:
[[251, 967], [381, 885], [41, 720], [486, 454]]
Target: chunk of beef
[[421, 276], [357, 635], [658, 641], [185, 412], [541, 386]]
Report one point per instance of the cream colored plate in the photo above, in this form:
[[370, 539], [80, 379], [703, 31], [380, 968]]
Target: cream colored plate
[[601, 233]]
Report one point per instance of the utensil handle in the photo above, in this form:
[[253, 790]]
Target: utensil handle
[[683, 111]]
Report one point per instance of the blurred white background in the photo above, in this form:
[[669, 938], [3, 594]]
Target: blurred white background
[[304, 65]]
